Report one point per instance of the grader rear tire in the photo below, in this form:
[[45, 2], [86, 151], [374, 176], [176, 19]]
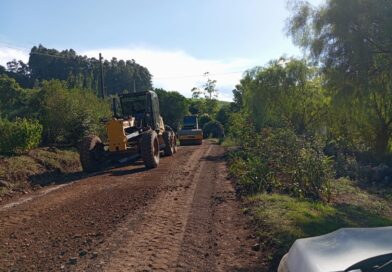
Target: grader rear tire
[[91, 153], [149, 149], [168, 140]]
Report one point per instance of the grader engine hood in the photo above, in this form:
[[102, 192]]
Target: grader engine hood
[[117, 140]]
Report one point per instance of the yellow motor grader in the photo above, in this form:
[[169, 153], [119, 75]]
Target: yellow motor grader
[[139, 131]]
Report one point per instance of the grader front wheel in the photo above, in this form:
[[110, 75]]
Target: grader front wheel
[[169, 144], [91, 153], [149, 149], [174, 139]]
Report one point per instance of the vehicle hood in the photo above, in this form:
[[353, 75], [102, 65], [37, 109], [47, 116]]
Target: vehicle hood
[[337, 250]]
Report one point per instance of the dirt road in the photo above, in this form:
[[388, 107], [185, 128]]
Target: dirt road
[[182, 216]]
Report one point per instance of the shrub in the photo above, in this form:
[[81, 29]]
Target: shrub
[[19, 136], [69, 114], [213, 129], [280, 161], [204, 119], [223, 116]]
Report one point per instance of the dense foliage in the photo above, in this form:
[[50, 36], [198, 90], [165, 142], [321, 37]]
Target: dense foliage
[[301, 123], [352, 41], [286, 92], [213, 129], [69, 114], [173, 107], [277, 160], [19, 135], [204, 119], [66, 114]]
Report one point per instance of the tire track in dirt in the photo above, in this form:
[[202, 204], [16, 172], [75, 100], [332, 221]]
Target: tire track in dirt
[[154, 244], [44, 233], [182, 216]]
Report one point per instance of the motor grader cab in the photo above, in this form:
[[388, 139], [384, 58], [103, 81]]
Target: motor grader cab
[[136, 131], [190, 132]]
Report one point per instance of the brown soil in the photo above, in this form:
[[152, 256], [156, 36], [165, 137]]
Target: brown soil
[[182, 216]]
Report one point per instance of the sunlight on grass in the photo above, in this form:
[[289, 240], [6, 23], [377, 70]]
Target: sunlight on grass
[[282, 219]]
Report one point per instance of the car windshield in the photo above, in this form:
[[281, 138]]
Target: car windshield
[[382, 263]]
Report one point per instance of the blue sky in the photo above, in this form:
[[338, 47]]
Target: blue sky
[[177, 40]]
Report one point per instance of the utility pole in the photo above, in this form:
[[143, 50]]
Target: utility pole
[[134, 86], [101, 72]]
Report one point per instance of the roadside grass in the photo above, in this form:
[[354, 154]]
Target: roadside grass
[[23, 171], [228, 142], [281, 219]]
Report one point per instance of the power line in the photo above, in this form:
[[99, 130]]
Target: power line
[[210, 74]]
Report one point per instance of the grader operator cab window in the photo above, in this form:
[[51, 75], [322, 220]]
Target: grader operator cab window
[[135, 106], [132, 106], [144, 106]]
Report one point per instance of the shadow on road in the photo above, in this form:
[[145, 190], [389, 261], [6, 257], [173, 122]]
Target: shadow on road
[[219, 158], [127, 171], [56, 177]]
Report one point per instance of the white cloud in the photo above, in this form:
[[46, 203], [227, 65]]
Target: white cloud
[[8, 53], [179, 71], [171, 70]]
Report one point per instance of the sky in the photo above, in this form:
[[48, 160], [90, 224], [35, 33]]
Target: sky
[[177, 40]]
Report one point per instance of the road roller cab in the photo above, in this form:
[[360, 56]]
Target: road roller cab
[[190, 132]]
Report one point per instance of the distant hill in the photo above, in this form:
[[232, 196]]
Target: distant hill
[[223, 103]]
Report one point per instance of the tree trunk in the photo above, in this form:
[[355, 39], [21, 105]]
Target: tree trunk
[[382, 140]]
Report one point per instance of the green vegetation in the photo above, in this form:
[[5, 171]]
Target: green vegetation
[[278, 160], [213, 129], [287, 92], [79, 71], [64, 114], [173, 107], [351, 40], [311, 138], [69, 114], [281, 219], [19, 136]]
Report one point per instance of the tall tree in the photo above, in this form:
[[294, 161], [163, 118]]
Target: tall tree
[[286, 92], [210, 89], [10, 96], [352, 39], [211, 94], [83, 72], [173, 107]]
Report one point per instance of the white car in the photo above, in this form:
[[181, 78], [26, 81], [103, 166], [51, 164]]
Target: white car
[[344, 250]]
